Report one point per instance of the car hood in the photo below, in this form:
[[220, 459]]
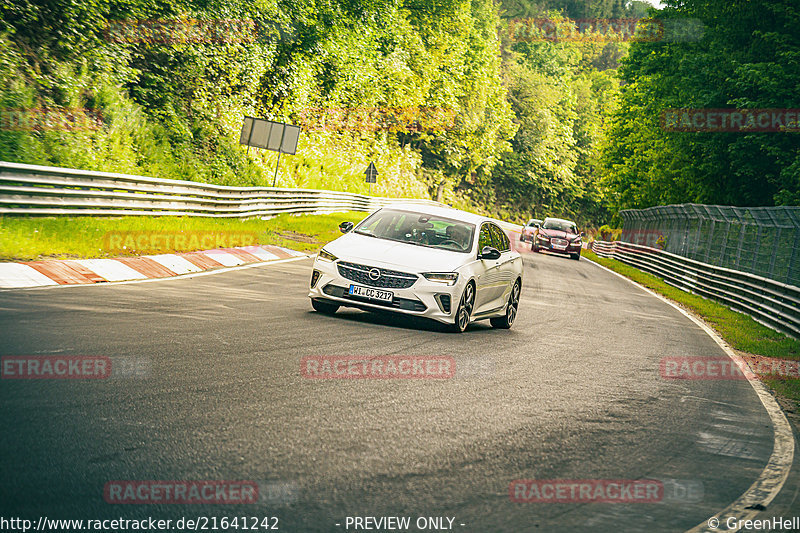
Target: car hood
[[558, 234], [395, 255]]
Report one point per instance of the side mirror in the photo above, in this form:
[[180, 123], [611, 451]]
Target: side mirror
[[344, 227], [489, 253]]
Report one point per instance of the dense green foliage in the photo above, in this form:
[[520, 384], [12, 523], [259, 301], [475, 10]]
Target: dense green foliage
[[173, 109], [560, 93], [535, 123], [528, 115], [748, 58]]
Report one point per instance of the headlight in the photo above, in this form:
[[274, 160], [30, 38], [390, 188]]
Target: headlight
[[543, 237], [326, 255], [577, 240], [448, 278]]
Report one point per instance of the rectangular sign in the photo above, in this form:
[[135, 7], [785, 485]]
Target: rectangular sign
[[275, 136], [260, 134], [247, 127], [291, 134]]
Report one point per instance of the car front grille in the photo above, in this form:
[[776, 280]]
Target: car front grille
[[387, 279], [397, 303], [559, 242]]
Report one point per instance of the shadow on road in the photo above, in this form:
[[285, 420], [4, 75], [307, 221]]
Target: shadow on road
[[396, 320]]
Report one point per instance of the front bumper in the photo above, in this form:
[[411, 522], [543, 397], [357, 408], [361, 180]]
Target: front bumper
[[549, 247], [427, 299]]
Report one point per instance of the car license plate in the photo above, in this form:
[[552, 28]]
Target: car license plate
[[372, 294], [559, 246]]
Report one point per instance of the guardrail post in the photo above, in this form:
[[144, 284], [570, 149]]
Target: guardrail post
[[758, 247], [794, 256], [710, 240], [775, 252], [739, 248]]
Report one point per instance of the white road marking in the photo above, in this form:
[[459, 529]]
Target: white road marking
[[176, 263], [111, 270], [16, 275], [292, 252], [259, 252], [225, 258], [771, 480], [183, 276]]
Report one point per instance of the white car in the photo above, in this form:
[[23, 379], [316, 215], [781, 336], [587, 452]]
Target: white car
[[434, 262]]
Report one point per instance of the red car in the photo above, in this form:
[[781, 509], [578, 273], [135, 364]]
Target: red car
[[558, 235], [527, 230]]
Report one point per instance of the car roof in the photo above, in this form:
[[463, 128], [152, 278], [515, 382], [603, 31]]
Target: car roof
[[446, 212]]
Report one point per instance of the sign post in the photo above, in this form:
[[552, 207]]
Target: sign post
[[371, 176], [276, 136]]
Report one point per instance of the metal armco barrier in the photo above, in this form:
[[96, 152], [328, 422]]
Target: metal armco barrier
[[40, 190], [772, 303], [764, 241]]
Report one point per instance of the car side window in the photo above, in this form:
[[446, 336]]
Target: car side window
[[506, 242], [499, 239], [485, 238]]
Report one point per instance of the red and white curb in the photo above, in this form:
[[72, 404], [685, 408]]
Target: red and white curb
[[84, 271]]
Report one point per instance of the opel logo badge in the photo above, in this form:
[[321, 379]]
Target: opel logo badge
[[374, 274]]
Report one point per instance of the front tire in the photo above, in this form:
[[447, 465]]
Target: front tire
[[506, 321], [534, 248], [576, 257], [324, 307], [464, 311]]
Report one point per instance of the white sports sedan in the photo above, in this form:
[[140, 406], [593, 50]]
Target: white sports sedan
[[433, 262]]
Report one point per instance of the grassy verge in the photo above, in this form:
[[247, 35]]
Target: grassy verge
[[740, 331], [32, 238]]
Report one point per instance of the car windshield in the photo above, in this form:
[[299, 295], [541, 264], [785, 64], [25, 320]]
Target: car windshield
[[561, 225], [419, 229]]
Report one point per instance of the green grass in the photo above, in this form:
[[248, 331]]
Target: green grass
[[739, 330], [32, 238]]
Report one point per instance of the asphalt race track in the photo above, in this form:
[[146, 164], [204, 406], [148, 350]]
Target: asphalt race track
[[572, 392]]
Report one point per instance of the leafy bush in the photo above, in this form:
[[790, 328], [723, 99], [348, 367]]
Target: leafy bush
[[607, 233]]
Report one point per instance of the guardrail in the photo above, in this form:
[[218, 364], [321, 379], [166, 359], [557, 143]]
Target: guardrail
[[772, 303], [41, 190], [764, 241]]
